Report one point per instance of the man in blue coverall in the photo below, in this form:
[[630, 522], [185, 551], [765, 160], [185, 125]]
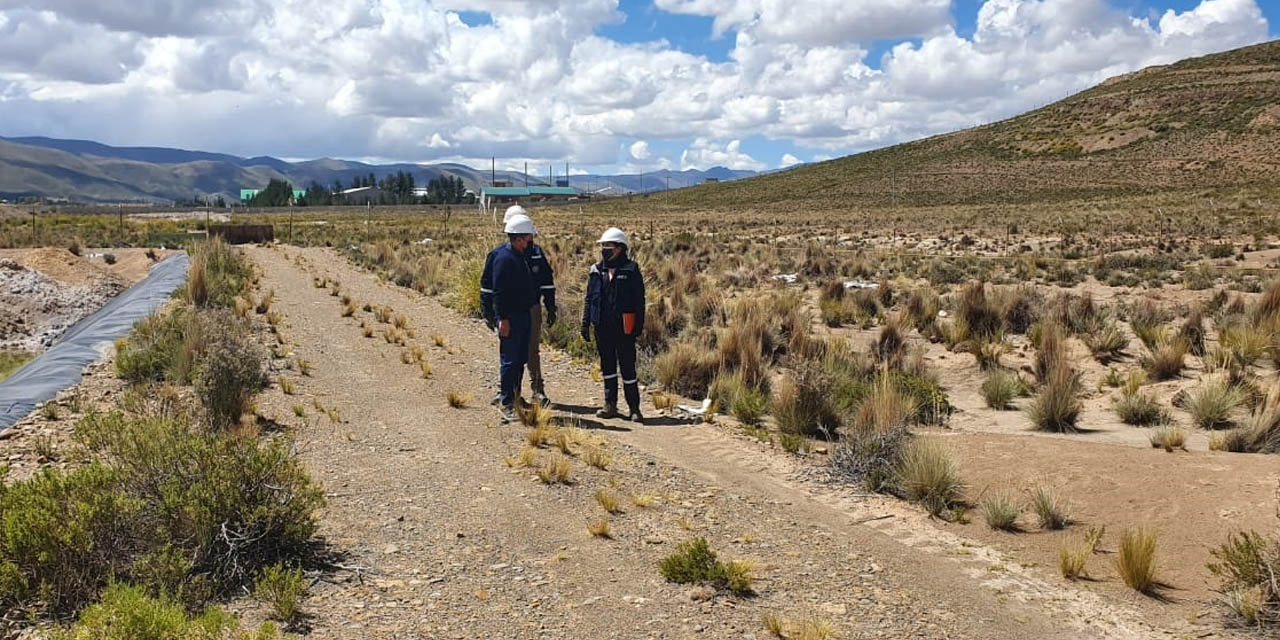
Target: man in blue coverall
[[506, 304]]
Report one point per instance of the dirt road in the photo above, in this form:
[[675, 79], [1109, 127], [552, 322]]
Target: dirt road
[[446, 540]]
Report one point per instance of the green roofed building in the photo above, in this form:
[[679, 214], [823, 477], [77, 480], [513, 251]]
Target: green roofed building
[[248, 194], [503, 195]]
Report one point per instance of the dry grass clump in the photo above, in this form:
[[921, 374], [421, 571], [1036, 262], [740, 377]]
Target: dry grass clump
[[1169, 437], [600, 528], [1214, 403], [1106, 342], [1072, 558], [687, 369], [555, 469], [1135, 407], [1136, 560], [806, 628], [1051, 350], [1001, 508], [458, 400], [608, 501], [597, 457], [884, 409], [1248, 567], [1051, 509], [929, 475], [802, 403], [1001, 387], [527, 458], [1260, 432], [1166, 355], [1056, 408]]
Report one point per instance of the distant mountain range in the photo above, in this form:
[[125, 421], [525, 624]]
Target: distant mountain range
[[86, 171]]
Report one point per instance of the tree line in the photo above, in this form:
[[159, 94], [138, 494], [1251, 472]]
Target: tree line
[[397, 188]]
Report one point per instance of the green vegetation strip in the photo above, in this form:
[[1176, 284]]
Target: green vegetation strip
[[11, 361]]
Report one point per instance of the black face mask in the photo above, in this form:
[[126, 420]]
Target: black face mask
[[606, 254]]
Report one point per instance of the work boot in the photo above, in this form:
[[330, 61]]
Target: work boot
[[610, 410], [635, 415], [542, 399], [508, 413]]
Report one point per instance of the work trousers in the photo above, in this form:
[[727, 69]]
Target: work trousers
[[618, 359], [513, 353], [535, 360]]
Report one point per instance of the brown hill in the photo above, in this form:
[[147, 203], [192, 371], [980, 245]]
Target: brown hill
[[1209, 124]]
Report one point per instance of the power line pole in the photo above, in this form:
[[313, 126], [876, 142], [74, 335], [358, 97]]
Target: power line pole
[[526, 174], [493, 169]]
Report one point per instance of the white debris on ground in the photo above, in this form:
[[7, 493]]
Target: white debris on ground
[[860, 284], [35, 309], [789, 278]]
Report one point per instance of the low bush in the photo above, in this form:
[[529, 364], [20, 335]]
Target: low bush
[[127, 612], [1106, 342], [695, 563], [1247, 566], [870, 459], [230, 372], [884, 409], [1169, 437], [1135, 407], [1166, 357], [1050, 507]]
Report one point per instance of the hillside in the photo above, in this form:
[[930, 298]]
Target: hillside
[[1202, 124], [87, 171]]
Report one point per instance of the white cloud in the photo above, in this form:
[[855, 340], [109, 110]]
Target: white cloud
[[406, 79], [705, 154], [789, 160], [640, 150]]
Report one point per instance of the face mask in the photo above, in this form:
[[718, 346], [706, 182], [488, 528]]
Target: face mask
[[606, 254]]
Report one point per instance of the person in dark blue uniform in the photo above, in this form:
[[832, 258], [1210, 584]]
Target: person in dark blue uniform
[[615, 308], [507, 291], [544, 295]]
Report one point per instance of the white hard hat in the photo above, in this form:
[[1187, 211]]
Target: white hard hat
[[614, 234], [520, 224], [513, 211]]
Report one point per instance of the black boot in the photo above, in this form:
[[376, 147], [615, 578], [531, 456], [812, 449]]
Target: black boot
[[610, 410], [635, 415]]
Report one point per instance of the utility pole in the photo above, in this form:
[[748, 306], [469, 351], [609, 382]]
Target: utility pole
[[33, 227], [550, 182], [493, 169], [526, 174]]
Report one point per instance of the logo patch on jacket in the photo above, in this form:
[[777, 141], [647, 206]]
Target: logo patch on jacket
[[621, 276]]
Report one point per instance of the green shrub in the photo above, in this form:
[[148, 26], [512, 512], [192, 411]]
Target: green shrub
[[466, 291], [283, 589], [63, 536], [1106, 342], [231, 504], [932, 407], [129, 613], [695, 562], [749, 405], [927, 474]]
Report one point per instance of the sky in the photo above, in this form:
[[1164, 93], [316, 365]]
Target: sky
[[609, 86]]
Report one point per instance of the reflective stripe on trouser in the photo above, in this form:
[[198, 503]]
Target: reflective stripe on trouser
[[535, 360], [513, 351], [616, 352]]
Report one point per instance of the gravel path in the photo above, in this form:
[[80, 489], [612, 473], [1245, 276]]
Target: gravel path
[[448, 541]]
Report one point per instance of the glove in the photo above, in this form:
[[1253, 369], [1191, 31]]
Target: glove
[[491, 322], [551, 316], [586, 332]]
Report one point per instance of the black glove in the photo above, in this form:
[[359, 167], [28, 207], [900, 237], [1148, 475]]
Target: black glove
[[586, 332], [491, 322], [551, 316]]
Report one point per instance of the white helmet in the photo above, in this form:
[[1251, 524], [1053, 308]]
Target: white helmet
[[513, 211], [614, 234], [520, 224]]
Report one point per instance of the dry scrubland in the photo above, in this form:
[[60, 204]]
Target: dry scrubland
[[1058, 335]]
